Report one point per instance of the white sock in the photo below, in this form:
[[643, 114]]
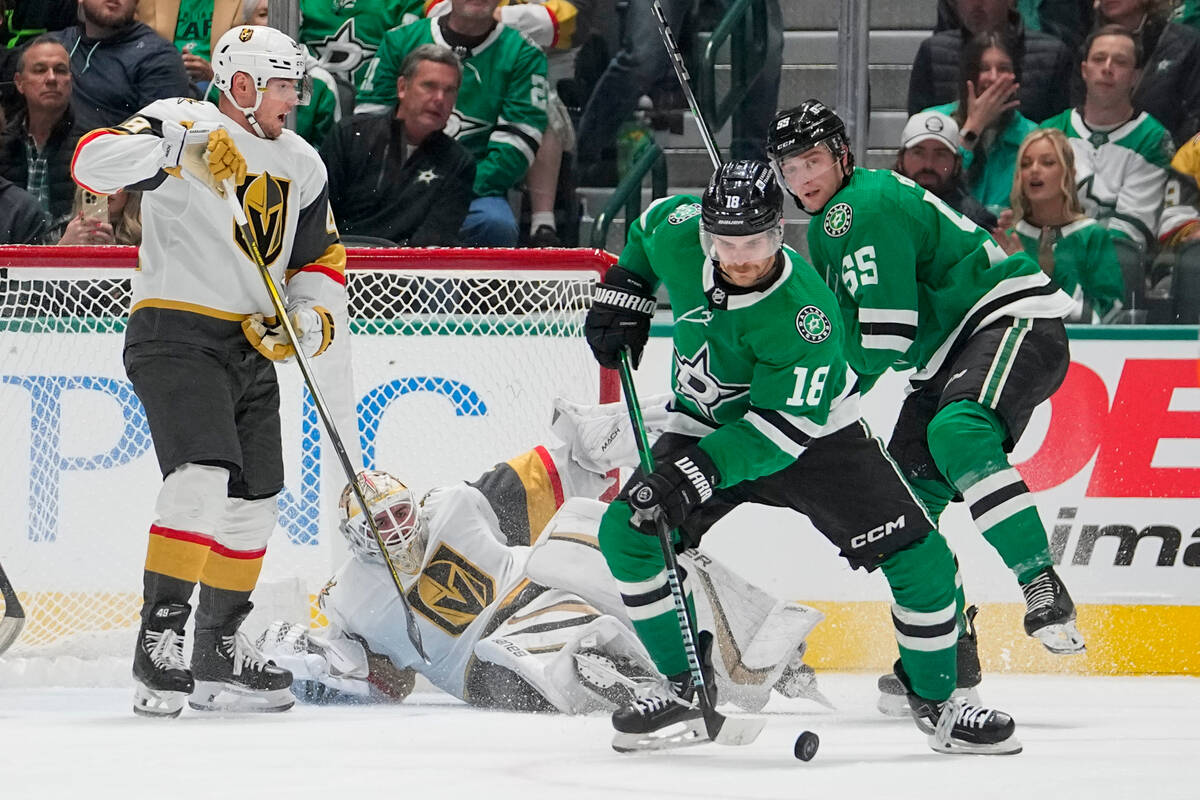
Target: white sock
[[539, 218]]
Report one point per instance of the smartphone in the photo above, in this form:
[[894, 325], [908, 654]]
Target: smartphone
[[95, 207]]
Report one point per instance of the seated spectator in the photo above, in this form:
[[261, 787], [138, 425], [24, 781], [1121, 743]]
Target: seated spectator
[[556, 26], [122, 223], [1121, 154], [22, 220], [1187, 158], [989, 123], [118, 65], [21, 23], [500, 112], [1067, 20], [643, 63], [316, 118], [1043, 63], [929, 155], [1171, 64], [38, 143], [193, 26], [1047, 221], [399, 176]]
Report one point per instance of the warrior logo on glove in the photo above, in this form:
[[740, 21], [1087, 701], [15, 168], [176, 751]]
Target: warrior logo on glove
[[265, 200]]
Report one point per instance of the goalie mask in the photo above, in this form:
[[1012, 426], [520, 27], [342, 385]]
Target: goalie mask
[[741, 214], [262, 53], [397, 516]]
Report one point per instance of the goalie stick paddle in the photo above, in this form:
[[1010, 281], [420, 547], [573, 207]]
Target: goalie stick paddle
[[14, 616], [720, 728], [239, 217]]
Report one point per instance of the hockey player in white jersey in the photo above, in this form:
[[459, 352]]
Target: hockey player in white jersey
[[199, 349], [516, 608]]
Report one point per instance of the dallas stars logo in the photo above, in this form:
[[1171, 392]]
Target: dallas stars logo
[[342, 52], [460, 127], [695, 381], [812, 324], [426, 176], [838, 220]]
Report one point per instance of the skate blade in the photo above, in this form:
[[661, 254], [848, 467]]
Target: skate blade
[[1062, 640], [149, 702], [228, 697], [683, 734], [954, 747]]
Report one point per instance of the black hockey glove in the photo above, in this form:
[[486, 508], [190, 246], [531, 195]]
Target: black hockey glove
[[673, 490], [619, 317]]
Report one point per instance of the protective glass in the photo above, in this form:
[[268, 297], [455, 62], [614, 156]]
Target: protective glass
[[726, 249]]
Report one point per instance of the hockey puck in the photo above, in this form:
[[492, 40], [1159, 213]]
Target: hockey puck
[[806, 746]]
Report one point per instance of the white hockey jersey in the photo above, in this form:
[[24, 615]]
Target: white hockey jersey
[[191, 258], [470, 574]]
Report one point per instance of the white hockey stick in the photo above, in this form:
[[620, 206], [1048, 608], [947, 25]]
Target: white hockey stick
[[239, 216], [14, 616]]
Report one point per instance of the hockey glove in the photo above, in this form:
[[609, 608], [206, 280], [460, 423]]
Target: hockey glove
[[619, 317], [313, 325], [204, 152], [673, 490]]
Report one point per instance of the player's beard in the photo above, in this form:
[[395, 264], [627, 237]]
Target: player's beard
[[114, 21]]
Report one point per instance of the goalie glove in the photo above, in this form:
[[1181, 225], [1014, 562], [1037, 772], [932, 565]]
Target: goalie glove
[[673, 490], [203, 151], [620, 316], [313, 325]]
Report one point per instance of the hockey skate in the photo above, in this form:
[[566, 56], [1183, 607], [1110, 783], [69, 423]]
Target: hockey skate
[[1050, 614], [664, 717], [963, 728], [800, 680], [893, 696], [162, 677], [615, 678], [232, 675]]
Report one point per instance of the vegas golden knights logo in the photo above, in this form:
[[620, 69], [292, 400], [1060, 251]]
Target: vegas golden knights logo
[[452, 591], [245, 34], [265, 200]]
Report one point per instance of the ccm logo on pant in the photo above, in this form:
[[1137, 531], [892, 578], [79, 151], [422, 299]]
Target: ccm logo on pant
[[875, 534]]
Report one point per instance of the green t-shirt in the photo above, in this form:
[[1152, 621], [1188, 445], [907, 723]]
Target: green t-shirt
[[991, 182], [913, 276], [1085, 265], [194, 27], [762, 371]]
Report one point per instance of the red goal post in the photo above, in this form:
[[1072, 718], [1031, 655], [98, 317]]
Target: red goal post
[[456, 355]]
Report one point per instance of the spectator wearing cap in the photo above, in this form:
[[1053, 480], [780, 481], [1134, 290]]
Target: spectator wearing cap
[[930, 156]]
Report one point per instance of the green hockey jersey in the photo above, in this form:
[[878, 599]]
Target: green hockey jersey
[[1085, 266], [914, 277], [501, 108], [756, 374], [1120, 174], [343, 35]]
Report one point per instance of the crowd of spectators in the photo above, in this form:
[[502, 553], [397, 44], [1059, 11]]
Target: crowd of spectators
[[434, 117]]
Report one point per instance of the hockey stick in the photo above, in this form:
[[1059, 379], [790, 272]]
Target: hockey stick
[[239, 216], [14, 616], [720, 728], [685, 80]]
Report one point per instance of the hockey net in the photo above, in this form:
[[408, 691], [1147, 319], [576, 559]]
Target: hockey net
[[456, 356]]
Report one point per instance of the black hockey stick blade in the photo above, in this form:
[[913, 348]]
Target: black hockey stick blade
[[14, 616]]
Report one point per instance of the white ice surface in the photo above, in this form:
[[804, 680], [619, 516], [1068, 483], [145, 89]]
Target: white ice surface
[[1120, 738]]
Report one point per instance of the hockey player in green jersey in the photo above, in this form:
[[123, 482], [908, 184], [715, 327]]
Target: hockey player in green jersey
[[765, 410], [920, 286]]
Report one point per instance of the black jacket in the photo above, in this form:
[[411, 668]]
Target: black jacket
[[965, 203], [116, 77], [22, 220], [1169, 89], [1044, 67], [60, 149], [420, 202]]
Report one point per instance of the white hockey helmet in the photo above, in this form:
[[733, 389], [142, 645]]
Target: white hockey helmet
[[397, 516], [262, 53]]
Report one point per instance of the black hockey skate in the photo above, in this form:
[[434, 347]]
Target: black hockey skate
[[1050, 614], [664, 717], [233, 675], [893, 696], [960, 727], [162, 677]]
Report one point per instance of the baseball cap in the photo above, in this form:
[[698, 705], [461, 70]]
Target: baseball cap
[[930, 125]]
